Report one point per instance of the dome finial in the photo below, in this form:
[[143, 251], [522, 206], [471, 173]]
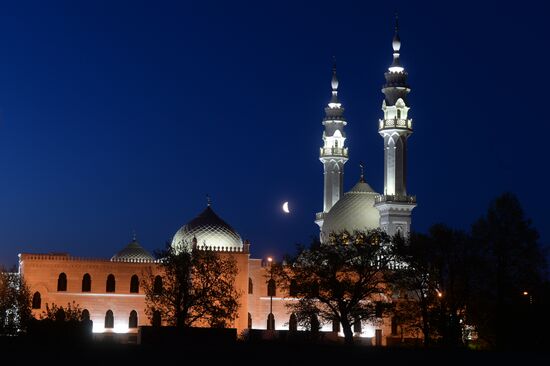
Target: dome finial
[[396, 22], [334, 81], [208, 200], [396, 45], [134, 237], [362, 176]]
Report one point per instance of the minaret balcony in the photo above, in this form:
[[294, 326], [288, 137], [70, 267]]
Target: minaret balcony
[[334, 151], [395, 123], [397, 198]]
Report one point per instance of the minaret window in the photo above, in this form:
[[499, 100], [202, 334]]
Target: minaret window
[[134, 284], [336, 143], [110, 286], [36, 300], [133, 320], [86, 283], [157, 286], [62, 282], [109, 320], [399, 114]]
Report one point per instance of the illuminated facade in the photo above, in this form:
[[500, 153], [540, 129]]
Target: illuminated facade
[[109, 289], [362, 208], [333, 153]]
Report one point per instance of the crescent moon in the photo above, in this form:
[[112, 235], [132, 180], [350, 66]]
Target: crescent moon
[[285, 207]]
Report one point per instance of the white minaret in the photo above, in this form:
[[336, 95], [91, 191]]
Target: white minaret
[[395, 205], [333, 154]]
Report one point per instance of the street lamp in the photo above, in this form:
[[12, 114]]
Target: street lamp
[[271, 293]]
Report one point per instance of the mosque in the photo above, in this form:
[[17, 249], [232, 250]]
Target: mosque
[[108, 290]]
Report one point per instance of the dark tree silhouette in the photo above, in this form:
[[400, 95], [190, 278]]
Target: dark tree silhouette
[[198, 287], [343, 279], [513, 265], [435, 283]]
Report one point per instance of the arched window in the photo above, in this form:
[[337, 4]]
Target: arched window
[[336, 143], [109, 320], [315, 325], [156, 321], [293, 288], [357, 325], [85, 315], [293, 323], [335, 325], [157, 285], [62, 282], [86, 283], [394, 326], [399, 114], [36, 300], [133, 321], [378, 310], [271, 287], [110, 283], [250, 286], [270, 322], [134, 284], [249, 321]]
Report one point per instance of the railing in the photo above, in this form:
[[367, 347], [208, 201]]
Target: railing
[[216, 248], [394, 198], [334, 151], [319, 216], [395, 123], [66, 257]]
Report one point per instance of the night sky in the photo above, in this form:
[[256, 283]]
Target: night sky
[[117, 116]]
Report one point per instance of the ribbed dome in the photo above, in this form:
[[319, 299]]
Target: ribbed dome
[[354, 211], [133, 252], [210, 230]]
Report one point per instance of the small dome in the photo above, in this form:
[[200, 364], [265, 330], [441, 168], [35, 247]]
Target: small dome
[[133, 252], [210, 230], [354, 211]]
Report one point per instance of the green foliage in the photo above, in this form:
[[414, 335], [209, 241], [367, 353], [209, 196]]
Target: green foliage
[[15, 303], [198, 288], [343, 279]]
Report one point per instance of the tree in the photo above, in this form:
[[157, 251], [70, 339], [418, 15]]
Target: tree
[[415, 285], [15, 302], [341, 280], [198, 287], [436, 282], [72, 312], [513, 264]]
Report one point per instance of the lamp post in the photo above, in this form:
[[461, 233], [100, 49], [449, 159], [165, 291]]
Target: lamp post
[[270, 290]]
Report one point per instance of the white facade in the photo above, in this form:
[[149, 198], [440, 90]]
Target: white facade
[[333, 153]]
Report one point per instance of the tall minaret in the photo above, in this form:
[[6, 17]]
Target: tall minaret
[[395, 205], [333, 154]]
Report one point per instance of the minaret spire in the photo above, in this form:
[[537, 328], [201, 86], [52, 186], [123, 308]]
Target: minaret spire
[[334, 82], [333, 153], [395, 205]]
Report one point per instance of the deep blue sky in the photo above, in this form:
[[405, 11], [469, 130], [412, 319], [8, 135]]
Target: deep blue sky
[[122, 116]]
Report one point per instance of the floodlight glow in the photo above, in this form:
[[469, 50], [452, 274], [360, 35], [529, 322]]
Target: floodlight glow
[[396, 69]]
